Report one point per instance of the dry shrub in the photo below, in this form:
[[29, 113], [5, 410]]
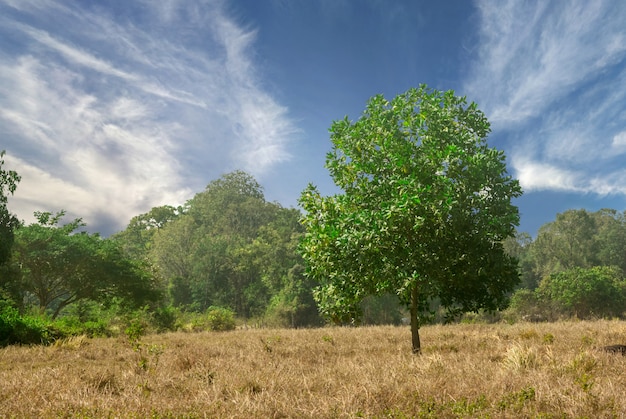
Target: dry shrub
[[520, 358], [466, 370]]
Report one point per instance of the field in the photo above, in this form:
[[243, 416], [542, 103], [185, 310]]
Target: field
[[549, 370]]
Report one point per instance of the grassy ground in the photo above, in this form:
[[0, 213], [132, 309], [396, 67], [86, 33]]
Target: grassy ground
[[524, 370]]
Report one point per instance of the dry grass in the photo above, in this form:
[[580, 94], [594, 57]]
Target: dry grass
[[522, 370]]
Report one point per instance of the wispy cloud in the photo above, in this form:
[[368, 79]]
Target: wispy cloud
[[551, 76], [119, 111]]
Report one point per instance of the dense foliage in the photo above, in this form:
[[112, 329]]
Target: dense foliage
[[59, 266], [574, 268], [228, 247], [8, 222], [426, 204]]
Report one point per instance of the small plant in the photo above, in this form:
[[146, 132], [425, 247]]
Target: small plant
[[548, 338], [518, 399], [586, 340], [583, 363], [266, 346], [466, 406], [135, 330], [585, 381]]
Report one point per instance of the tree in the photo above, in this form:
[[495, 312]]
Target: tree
[[585, 292], [611, 237], [60, 266], [136, 239], [568, 242], [519, 247], [231, 248], [425, 208], [8, 222]]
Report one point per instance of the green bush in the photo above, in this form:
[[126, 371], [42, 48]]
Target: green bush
[[73, 326], [220, 319], [525, 305], [26, 330], [585, 293], [164, 319], [135, 329]]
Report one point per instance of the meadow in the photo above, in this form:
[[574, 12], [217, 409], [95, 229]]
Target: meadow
[[542, 370]]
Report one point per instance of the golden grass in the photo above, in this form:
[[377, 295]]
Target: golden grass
[[523, 370]]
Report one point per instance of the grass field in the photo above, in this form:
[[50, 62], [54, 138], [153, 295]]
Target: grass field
[[549, 370]]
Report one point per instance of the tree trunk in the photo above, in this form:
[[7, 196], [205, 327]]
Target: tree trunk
[[415, 325]]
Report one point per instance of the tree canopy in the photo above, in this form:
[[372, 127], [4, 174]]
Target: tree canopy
[[8, 222], [59, 266], [231, 248], [426, 204]]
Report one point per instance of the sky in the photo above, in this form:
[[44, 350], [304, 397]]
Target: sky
[[108, 109]]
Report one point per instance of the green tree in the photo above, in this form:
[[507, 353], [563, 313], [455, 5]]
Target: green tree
[[585, 292], [425, 208], [610, 237], [229, 248], [519, 247], [568, 242], [136, 239], [8, 222], [59, 266]]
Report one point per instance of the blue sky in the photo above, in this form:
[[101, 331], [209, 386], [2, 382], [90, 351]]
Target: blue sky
[[108, 109]]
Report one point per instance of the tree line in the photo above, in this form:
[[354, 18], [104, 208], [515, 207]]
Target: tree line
[[227, 250]]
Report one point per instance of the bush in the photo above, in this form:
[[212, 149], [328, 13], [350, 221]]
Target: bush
[[525, 305], [164, 319], [17, 329], [585, 293], [135, 329], [220, 319], [73, 326]]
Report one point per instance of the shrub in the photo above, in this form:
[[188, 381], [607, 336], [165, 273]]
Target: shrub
[[73, 326], [164, 318], [135, 329], [17, 329], [220, 319]]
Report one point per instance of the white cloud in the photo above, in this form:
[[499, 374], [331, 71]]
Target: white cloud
[[532, 55], [537, 176], [87, 159], [534, 176], [619, 141], [74, 54], [106, 115], [551, 77]]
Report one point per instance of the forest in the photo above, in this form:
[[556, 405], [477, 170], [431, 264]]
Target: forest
[[229, 258]]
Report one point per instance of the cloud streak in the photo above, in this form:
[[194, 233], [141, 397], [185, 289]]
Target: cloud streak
[[551, 77], [117, 111]]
